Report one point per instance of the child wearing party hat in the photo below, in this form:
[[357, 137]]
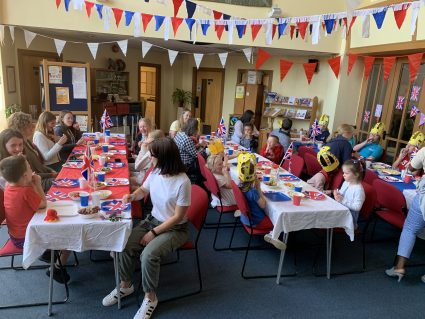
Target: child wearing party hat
[[330, 164], [370, 148], [407, 153]]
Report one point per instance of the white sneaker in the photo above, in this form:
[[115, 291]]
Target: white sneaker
[[112, 298], [237, 213], [423, 279], [146, 309], [275, 242]]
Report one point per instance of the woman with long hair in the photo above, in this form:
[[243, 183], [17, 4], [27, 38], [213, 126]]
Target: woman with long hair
[[160, 233], [68, 127], [11, 143], [177, 125], [246, 118], [145, 127], [47, 142]]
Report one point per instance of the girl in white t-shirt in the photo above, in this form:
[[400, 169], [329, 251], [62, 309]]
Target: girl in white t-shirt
[[217, 164], [160, 233], [352, 194]]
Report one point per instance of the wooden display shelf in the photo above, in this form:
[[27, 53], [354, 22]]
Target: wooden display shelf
[[291, 105]]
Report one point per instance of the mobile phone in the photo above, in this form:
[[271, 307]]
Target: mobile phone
[[117, 160]]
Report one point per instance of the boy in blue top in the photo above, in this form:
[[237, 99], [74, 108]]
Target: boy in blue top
[[370, 148]]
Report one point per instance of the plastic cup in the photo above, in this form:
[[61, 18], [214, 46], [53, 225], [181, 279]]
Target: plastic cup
[[97, 136], [105, 148], [96, 141], [84, 199], [108, 132], [230, 152], [208, 137], [258, 159], [83, 183], [102, 161], [267, 171], [235, 147], [266, 178], [213, 134], [407, 178], [93, 149], [296, 199], [101, 176], [95, 198], [298, 189]]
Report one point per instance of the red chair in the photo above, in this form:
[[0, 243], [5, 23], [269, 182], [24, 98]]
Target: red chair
[[370, 176], [202, 164], [337, 180], [383, 156], [295, 165], [212, 186], [391, 203], [302, 150], [313, 165]]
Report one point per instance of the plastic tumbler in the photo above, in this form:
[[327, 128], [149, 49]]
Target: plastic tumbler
[[266, 178], [97, 136], [93, 149], [407, 178], [267, 170], [95, 198], [102, 161], [296, 199], [230, 152], [235, 147], [101, 176], [83, 183], [84, 199], [298, 189], [108, 132], [105, 148], [96, 141]]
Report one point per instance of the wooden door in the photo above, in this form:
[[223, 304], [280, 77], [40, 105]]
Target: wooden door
[[209, 94], [29, 77], [149, 90]]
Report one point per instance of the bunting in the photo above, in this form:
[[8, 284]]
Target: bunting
[[335, 64], [368, 62], [379, 18], [262, 57], [219, 28], [1, 34], [176, 22], [190, 23], [204, 26], [146, 19], [128, 17], [414, 64], [99, 8], [58, 3], [190, 7], [254, 30], [400, 15], [29, 36], [223, 58], [123, 46], [158, 22], [93, 49], [118, 15], [172, 56], [302, 26], [248, 54], [177, 4], [67, 5], [89, 7], [12, 33], [351, 60], [198, 58], [281, 29], [309, 69], [284, 68], [59, 44], [146, 46], [388, 65]]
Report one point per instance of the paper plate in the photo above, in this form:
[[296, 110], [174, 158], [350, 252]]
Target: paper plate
[[390, 179], [378, 165], [74, 195], [314, 195], [390, 171]]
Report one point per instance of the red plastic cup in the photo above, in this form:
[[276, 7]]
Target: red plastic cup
[[407, 178], [296, 199], [235, 147], [267, 171]]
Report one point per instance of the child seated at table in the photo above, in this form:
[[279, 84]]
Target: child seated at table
[[324, 132], [352, 194], [248, 140], [217, 164], [273, 150], [251, 188], [407, 153], [330, 164]]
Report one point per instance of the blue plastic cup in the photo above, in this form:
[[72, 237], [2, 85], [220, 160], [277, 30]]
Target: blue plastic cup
[[258, 159], [105, 148], [266, 178], [84, 199], [96, 141], [298, 189], [101, 176], [108, 132], [208, 137], [230, 152]]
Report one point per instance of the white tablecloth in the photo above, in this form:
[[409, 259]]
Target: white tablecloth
[[75, 234], [287, 217]]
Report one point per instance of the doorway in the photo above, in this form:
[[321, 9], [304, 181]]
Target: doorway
[[29, 78], [150, 90], [207, 90]]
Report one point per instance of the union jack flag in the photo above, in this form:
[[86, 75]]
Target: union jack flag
[[414, 111], [114, 206], [221, 130], [415, 93], [88, 165], [289, 151], [105, 121], [55, 196], [366, 116], [400, 103], [315, 129]]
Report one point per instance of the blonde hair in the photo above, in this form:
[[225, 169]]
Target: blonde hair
[[147, 121], [211, 160], [342, 129], [181, 117], [19, 121], [43, 119], [156, 134]]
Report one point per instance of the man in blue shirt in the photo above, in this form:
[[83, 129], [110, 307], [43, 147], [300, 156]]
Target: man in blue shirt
[[370, 148]]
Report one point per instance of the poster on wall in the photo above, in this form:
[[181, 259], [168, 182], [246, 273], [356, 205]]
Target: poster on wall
[[378, 110], [240, 92], [82, 121], [55, 74], [79, 90], [62, 95]]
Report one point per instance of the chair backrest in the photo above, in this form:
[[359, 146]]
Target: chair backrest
[[211, 183], [297, 165], [313, 165], [370, 176], [383, 156], [198, 208], [285, 164], [370, 200], [241, 201], [2, 212], [337, 180], [389, 197], [302, 150], [202, 163]]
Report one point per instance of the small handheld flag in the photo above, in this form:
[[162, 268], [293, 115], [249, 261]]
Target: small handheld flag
[[315, 129], [221, 130], [288, 152], [105, 121]]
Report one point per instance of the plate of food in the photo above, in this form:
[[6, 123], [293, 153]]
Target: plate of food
[[271, 183], [104, 194], [288, 178], [314, 195], [379, 165], [89, 211], [289, 185], [64, 208], [114, 206], [291, 194], [390, 171], [390, 179], [98, 185], [75, 158], [105, 169], [74, 195], [66, 182]]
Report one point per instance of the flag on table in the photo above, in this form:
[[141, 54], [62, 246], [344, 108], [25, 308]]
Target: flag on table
[[105, 121], [88, 165], [288, 153], [400, 103], [315, 129], [221, 130], [415, 93], [414, 111]]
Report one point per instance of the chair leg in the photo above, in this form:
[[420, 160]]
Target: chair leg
[[98, 260]]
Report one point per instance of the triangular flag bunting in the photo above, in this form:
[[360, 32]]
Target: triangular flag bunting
[[400, 15], [335, 64], [93, 49], [219, 28], [190, 7], [58, 3], [241, 30], [414, 64], [302, 26], [368, 62], [158, 22], [254, 30], [366, 26], [146, 18], [146, 46], [223, 58], [291, 32], [388, 65], [379, 18], [118, 15], [89, 7], [177, 4], [353, 19], [248, 54], [309, 69], [190, 23], [12, 33], [274, 28], [198, 58], [204, 27], [128, 16], [284, 68], [262, 57], [281, 29], [351, 60], [123, 46], [29, 36], [99, 8], [176, 22], [107, 18], [78, 4], [217, 15], [59, 44], [329, 24], [226, 17], [67, 5], [172, 56]]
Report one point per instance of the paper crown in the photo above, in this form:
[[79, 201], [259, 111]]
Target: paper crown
[[247, 163], [327, 160], [324, 119], [417, 139], [378, 129], [215, 147]]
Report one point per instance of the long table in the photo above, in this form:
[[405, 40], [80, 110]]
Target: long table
[[76, 233], [286, 217]]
